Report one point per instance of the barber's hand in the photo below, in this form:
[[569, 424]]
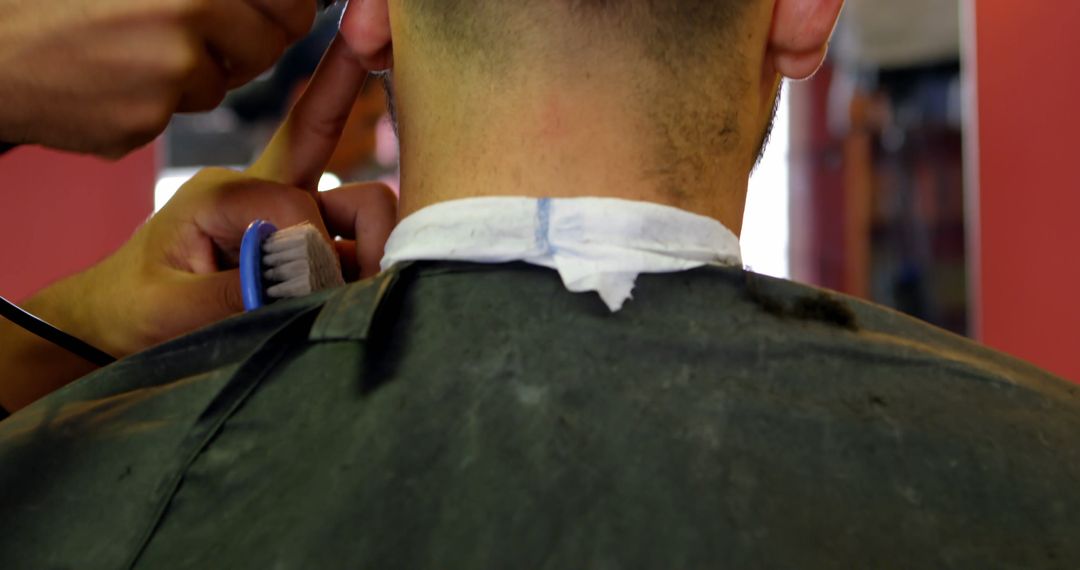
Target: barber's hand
[[105, 76], [178, 272]]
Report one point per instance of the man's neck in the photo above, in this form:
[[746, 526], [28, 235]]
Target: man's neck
[[568, 140]]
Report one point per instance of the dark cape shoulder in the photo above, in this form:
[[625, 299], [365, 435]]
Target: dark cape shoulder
[[464, 416]]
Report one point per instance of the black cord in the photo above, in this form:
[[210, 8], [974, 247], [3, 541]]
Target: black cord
[[21, 318]]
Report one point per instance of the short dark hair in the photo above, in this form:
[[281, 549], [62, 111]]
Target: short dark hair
[[487, 28]]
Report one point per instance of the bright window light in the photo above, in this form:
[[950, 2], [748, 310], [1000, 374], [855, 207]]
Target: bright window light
[[329, 182], [171, 179], [765, 234]]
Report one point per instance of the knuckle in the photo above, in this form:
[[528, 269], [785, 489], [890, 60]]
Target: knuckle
[[146, 121], [374, 193], [384, 192], [182, 68], [182, 61], [297, 206], [137, 134], [174, 58], [322, 127], [294, 210], [211, 180]]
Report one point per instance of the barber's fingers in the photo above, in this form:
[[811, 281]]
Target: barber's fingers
[[365, 24], [365, 214], [222, 203], [350, 261], [303, 145], [356, 209], [215, 295], [207, 81], [191, 301], [244, 39]]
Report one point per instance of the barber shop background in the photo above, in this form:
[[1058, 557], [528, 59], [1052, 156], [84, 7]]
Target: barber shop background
[[929, 167]]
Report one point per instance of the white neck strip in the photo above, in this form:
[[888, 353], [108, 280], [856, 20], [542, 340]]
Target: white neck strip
[[596, 244]]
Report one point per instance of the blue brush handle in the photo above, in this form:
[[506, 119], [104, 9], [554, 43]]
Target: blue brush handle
[[251, 266]]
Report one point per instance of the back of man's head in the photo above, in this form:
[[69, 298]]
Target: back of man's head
[[690, 84]]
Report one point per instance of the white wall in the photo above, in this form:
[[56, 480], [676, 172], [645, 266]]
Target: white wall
[[765, 235]]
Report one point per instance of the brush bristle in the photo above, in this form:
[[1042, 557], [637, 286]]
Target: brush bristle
[[300, 261]]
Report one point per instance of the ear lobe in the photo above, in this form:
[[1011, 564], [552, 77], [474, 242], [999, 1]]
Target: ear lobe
[[365, 26], [800, 34], [799, 66]]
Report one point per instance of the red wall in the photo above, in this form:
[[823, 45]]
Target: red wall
[[60, 213], [1027, 198]]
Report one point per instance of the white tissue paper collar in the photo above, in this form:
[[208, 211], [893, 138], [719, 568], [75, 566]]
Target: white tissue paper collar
[[596, 244]]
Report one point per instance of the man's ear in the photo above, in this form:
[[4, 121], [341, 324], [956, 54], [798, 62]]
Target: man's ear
[[365, 25], [800, 34]]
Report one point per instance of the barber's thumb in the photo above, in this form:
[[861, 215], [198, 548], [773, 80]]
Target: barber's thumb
[[216, 295], [185, 302]]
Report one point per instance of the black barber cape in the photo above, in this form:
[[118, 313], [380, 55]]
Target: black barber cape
[[463, 416]]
